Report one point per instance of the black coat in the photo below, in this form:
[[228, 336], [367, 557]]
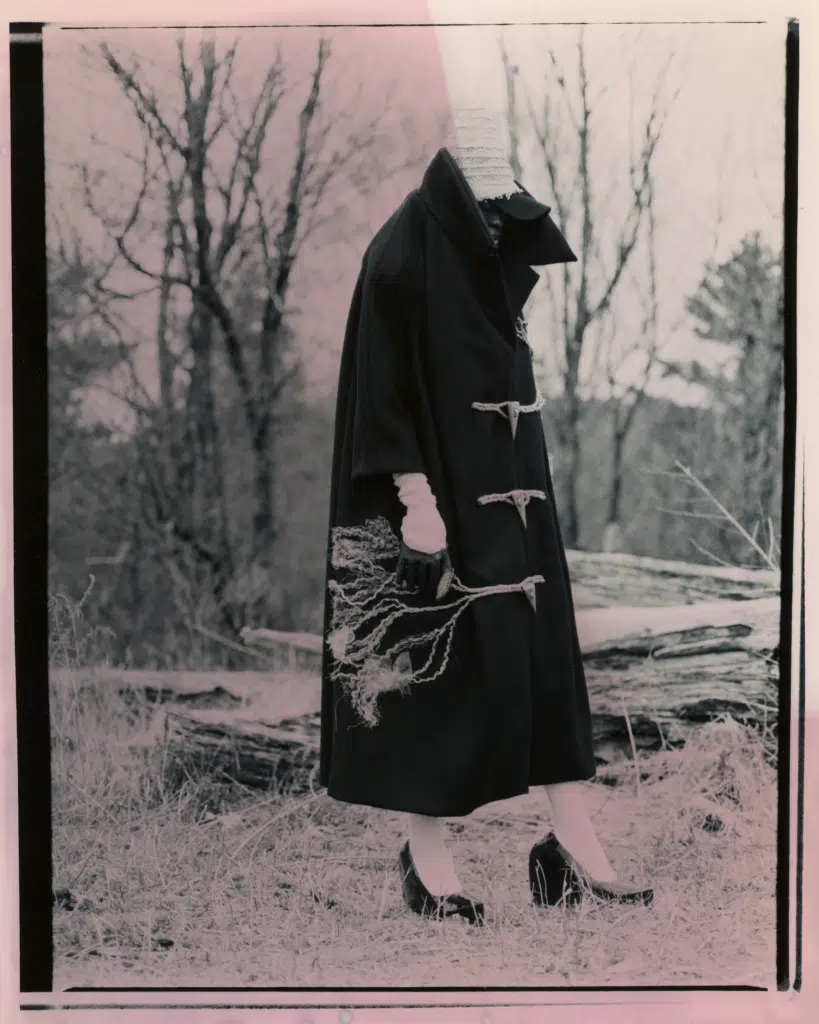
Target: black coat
[[433, 328]]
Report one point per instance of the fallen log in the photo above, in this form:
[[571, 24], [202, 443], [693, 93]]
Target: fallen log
[[601, 580], [754, 625], [246, 750], [654, 674]]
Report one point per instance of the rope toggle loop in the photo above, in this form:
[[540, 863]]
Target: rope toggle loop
[[511, 409], [519, 498]]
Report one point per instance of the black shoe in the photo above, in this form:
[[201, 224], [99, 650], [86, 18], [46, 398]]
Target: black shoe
[[555, 876], [420, 900]]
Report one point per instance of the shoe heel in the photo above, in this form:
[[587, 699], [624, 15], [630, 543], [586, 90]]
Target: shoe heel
[[551, 880], [419, 899]]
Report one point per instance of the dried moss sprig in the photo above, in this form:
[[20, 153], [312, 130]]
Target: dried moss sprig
[[372, 635]]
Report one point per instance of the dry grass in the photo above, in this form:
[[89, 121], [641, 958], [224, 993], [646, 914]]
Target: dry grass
[[181, 880]]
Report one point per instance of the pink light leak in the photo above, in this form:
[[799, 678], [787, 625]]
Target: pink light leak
[[392, 75]]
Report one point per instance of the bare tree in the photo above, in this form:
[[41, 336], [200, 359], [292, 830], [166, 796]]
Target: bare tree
[[643, 349], [584, 298], [206, 216]]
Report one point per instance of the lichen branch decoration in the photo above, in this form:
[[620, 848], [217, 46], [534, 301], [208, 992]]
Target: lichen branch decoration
[[375, 629], [522, 331]]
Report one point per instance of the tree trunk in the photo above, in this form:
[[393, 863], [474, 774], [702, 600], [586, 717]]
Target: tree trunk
[[164, 356], [616, 493], [208, 522], [613, 541], [264, 533], [570, 521]]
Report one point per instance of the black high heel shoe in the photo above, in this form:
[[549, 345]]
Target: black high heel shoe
[[555, 876], [421, 901]]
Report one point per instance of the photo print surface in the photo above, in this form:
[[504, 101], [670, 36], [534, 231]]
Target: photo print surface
[[416, 451]]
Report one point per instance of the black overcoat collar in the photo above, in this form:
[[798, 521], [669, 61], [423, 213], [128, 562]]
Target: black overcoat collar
[[524, 244], [452, 203]]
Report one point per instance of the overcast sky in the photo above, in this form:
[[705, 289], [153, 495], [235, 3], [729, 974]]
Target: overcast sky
[[719, 170]]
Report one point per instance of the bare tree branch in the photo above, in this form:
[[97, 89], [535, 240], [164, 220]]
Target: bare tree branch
[[248, 155], [144, 103], [511, 72], [285, 240]]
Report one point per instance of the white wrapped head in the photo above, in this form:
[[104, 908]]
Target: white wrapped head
[[481, 153]]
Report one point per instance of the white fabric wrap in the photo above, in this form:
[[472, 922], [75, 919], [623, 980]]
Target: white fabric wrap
[[422, 528], [481, 152]]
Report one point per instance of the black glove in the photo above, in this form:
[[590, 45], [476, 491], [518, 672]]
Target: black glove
[[428, 575]]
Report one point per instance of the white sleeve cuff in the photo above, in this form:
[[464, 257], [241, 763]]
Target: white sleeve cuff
[[422, 528]]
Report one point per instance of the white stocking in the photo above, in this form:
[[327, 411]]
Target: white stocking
[[432, 859], [575, 830]]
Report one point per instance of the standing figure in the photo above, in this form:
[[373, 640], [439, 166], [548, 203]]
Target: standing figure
[[439, 435]]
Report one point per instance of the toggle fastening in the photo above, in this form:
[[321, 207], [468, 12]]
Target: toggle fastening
[[528, 588], [519, 498], [511, 409]]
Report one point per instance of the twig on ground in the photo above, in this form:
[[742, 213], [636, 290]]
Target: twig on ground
[[78, 875], [658, 723], [384, 890], [709, 554], [633, 750]]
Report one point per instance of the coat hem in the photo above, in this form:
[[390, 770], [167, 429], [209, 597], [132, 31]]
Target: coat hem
[[433, 810]]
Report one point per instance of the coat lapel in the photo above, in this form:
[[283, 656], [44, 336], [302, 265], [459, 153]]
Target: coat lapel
[[520, 279], [502, 282], [449, 198]]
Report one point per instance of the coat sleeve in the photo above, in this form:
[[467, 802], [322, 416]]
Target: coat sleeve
[[387, 404]]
